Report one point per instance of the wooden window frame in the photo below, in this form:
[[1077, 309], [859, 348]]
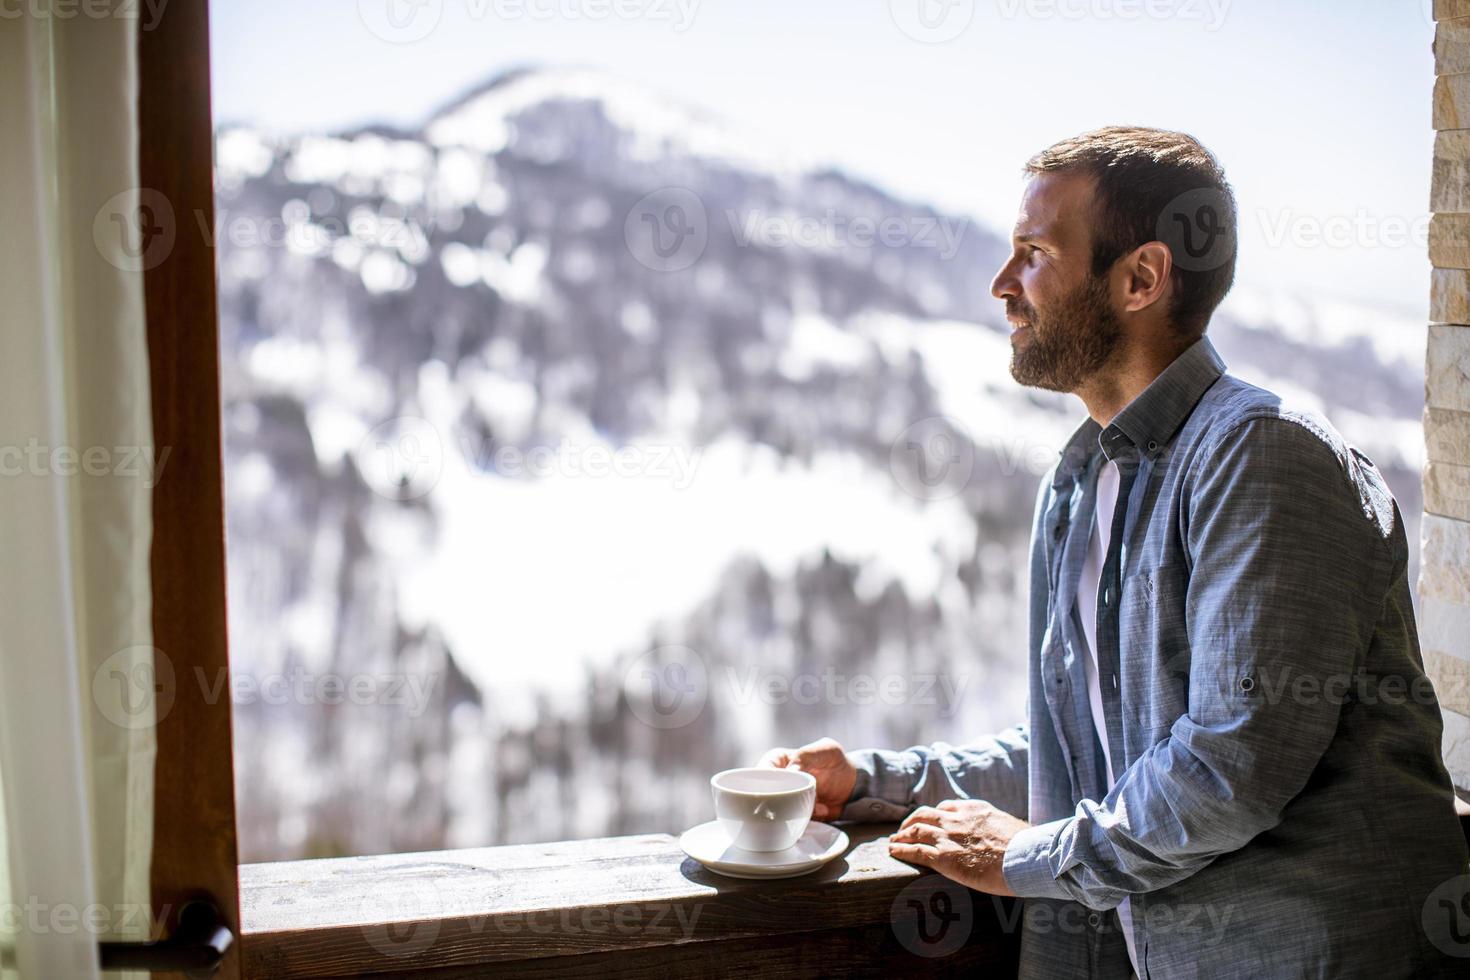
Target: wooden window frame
[[194, 851]]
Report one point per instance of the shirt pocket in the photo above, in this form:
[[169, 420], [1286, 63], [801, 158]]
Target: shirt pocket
[[1153, 633]]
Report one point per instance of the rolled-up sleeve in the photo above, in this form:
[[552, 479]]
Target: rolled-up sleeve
[[890, 784], [1280, 601]]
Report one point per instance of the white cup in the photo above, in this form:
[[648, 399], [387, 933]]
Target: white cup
[[763, 809]]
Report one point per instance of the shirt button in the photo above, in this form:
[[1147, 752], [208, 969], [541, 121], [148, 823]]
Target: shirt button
[[875, 806], [1094, 920]]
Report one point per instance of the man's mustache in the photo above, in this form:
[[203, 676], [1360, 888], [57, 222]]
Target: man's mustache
[[1019, 311]]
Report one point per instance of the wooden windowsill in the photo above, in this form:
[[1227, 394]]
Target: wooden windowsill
[[625, 905]]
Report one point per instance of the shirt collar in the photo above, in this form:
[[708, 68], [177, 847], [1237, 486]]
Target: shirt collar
[[1076, 453], [1150, 420]]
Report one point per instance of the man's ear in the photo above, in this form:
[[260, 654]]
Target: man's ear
[[1147, 271]]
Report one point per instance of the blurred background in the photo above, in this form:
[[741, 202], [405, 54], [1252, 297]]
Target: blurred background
[[613, 389]]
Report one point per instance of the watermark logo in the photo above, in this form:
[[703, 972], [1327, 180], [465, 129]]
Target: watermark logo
[[667, 230], [667, 687], [135, 230], [135, 687], [1196, 226], [932, 459], [401, 920], [1446, 917], [402, 458], [932, 21], [932, 916], [400, 21]]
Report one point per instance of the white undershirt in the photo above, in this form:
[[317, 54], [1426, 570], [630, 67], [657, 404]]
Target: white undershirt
[[1097, 550]]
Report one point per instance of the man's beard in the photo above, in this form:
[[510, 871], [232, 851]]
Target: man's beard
[[1067, 345]]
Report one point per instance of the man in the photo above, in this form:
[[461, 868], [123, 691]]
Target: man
[[1232, 753]]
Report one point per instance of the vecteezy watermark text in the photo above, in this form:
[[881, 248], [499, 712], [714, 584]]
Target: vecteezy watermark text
[[410, 21], [147, 12], [125, 919], [833, 230], [1205, 924], [668, 687], [1361, 229], [36, 458], [298, 686], [404, 457], [669, 229], [136, 687], [838, 688], [938, 21], [1210, 13], [673, 462]]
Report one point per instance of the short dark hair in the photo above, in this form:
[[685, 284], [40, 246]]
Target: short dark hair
[[1157, 185]]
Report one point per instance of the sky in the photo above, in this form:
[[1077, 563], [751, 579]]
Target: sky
[[1319, 109]]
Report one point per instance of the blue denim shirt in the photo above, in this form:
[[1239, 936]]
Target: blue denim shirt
[[1282, 809]]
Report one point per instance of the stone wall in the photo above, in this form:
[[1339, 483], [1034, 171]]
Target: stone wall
[[1444, 571]]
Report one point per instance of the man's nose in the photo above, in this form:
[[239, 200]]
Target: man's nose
[[1005, 285]]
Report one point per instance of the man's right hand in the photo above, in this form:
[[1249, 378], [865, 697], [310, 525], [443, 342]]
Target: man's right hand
[[826, 761]]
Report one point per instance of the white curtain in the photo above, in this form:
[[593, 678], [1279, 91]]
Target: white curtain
[[77, 689]]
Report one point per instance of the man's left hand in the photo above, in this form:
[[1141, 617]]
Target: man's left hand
[[964, 840]]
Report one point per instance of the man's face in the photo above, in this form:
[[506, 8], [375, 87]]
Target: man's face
[[1063, 324]]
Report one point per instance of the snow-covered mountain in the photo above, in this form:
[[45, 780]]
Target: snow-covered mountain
[[572, 386]]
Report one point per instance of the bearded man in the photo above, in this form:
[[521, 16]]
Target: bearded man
[[1229, 720]]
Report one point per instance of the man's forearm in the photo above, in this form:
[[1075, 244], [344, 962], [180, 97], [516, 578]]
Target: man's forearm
[[891, 783]]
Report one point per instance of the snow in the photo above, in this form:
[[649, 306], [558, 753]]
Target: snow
[[816, 342], [518, 278], [658, 126], [243, 152], [969, 367], [1396, 334], [533, 572]]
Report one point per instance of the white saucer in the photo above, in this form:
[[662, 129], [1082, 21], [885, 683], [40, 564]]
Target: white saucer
[[710, 846]]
